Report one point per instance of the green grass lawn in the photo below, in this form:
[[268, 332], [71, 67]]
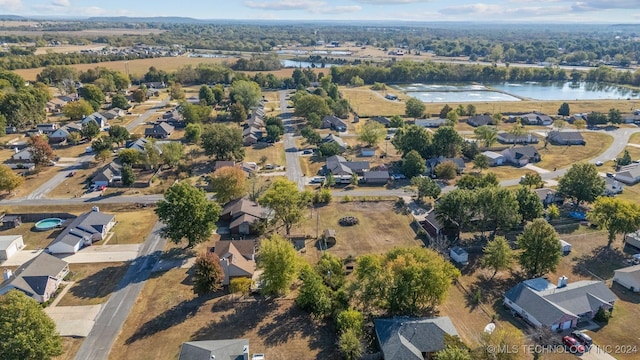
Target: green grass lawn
[[562, 156]]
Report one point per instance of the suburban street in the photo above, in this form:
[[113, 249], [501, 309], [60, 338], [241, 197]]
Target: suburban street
[[143, 117], [294, 172], [59, 177], [115, 311]]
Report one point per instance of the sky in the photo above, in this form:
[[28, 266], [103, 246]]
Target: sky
[[530, 11]]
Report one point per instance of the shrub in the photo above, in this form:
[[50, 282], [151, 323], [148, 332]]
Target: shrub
[[322, 197], [240, 285], [350, 320], [602, 316]]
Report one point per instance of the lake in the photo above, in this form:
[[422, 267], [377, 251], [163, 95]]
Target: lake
[[516, 91], [304, 64]]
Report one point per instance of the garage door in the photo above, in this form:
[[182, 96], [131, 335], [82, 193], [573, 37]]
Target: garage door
[[566, 325]]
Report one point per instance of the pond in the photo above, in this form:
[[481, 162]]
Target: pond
[[304, 64], [517, 91]]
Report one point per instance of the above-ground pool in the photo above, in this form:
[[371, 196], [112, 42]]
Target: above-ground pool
[[48, 224]]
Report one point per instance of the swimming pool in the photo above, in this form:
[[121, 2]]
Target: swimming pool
[[48, 224]]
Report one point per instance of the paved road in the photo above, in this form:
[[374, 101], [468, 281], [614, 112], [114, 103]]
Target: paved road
[[115, 311], [294, 172], [143, 118], [59, 177], [141, 199]]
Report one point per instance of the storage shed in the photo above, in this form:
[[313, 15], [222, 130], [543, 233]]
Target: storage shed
[[9, 245], [566, 247], [459, 255]]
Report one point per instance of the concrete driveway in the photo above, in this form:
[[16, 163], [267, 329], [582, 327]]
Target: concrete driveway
[[74, 320], [597, 353], [103, 253]]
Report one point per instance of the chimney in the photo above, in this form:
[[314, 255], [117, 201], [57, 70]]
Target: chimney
[[245, 352], [562, 281], [7, 274]]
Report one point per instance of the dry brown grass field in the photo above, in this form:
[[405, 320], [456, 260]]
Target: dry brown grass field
[[93, 283], [274, 154], [70, 347], [562, 156], [85, 33]]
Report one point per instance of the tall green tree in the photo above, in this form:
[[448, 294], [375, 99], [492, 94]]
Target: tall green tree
[[207, 273], [530, 207], [128, 176], [280, 265], [286, 201], [314, 295], [172, 153], [456, 209], [497, 255], [481, 162], [446, 170], [371, 133], [625, 159], [447, 142], [9, 180], [581, 183], [93, 95], [617, 215], [228, 183], [414, 108], [90, 130], [26, 330], [541, 249], [187, 214], [120, 101], [206, 96], [176, 92], [119, 134], [350, 345], [497, 208], [413, 138], [426, 186], [488, 135], [531, 179], [76, 110], [311, 104], [413, 164], [564, 109], [615, 116], [453, 353], [246, 93], [223, 142], [195, 113], [192, 133], [238, 113], [129, 156], [331, 269]]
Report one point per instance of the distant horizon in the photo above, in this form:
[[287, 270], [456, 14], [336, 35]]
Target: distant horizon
[[394, 11]]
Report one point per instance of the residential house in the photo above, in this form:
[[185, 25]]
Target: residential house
[[508, 138], [536, 118], [82, 231], [433, 226], [39, 278], [24, 155], [161, 130], [172, 114], [232, 349], [628, 277], [331, 138], [333, 122], [549, 196], [47, 128], [140, 144], [108, 175], [566, 138], [242, 214], [630, 119], [480, 120], [249, 167], [633, 239], [612, 186], [10, 245], [97, 118], [561, 306], [60, 136], [431, 123], [382, 120], [55, 105], [339, 166], [629, 174], [520, 156], [433, 162], [495, 159], [113, 113], [251, 136], [237, 258], [404, 338], [376, 177], [221, 163], [367, 152]]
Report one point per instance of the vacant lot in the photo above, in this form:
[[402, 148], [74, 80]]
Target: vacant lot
[[133, 226], [76, 185], [34, 181], [562, 156], [270, 153], [367, 102], [93, 283], [381, 227]]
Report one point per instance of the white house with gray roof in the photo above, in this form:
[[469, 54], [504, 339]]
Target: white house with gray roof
[[39, 278], [629, 174], [628, 277], [561, 306], [82, 231]]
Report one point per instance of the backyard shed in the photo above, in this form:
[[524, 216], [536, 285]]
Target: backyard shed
[[566, 247], [329, 238], [459, 255], [9, 221], [9, 245]]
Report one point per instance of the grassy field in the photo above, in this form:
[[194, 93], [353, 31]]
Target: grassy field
[[73, 186], [70, 347], [562, 156], [133, 226], [367, 102], [93, 283], [505, 172], [32, 239], [274, 154], [34, 181], [635, 139]]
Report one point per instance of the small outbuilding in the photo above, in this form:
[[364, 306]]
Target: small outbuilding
[[329, 238], [566, 247], [628, 277], [9, 245], [459, 255], [9, 221]]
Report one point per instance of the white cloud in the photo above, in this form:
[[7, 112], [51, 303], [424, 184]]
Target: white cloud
[[341, 9], [63, 3], [607, 4], [10, 5], [284, 4], [390, 2]]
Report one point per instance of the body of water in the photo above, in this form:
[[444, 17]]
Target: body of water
[[304, 64], [517, 91]]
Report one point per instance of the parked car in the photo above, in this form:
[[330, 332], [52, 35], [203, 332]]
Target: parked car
[[582, 338], [573, 344], [269, 167], [599, 163], [610, 175], [257, 357], [318, 180], [71, 174]]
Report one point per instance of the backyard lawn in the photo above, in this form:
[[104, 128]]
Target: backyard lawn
[[133, 226], [274, 154], [563, 156], [32, 239]]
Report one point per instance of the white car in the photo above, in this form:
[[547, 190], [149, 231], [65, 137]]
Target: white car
[[599, 163], [257, 357]]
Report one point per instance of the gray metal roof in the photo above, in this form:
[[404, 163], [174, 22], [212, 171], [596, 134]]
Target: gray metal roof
[[214, 349], [84, 226], [33, 276], [403, 338]]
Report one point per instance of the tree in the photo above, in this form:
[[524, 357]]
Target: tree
[[9, 180], [503, 338], [120, 101], [452, 118], [314, 121], [76, 110], [306, 105], [102, 155], [330, 180], [487, 134], [274, 133], [541, 249], [471, 110], [530, 207], [152, 155], [580, 124], [477, 181], [26, 330], [481, 162], [41, 152], [455, 209], [414, 108], [413, 164], [192, 133], [328, 149], [90, 129], [172, 153], [531, 179], [350, 345], [119, 134], [3, 125], [207, 273], [206, 96], [427, 187], [223, 142], [559, 124], [371, 133], [581, 183], [314, 295], [93, 95], [497, 255], [129, 156], [625, 159], [331, 270], [564, 109], [396, 122], [240, 285], [246, 93], [128, 176], [279, 263], [194, 113], [176, 92], [74, 138], [444, 111], [139, 95], [238, 113], [286, 201], [187, 214], [615, 117], [446, 170], [413, 138], [350, 320], [228, 183], [553, 212], [617, 215], [453, 353], [311, 136], [596, 118], [447, 142], [497, 208]]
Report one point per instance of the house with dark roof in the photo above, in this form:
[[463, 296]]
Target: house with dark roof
[[237, 258], [113, 113], [433, 162], [60, 135], [232, 349], [561, 306], [39, 278], [536, 118], [566, 138], [333, 122], [110, 173], [241, 214], [522, 155], [140, 144], [82, 231], [161, 130], [96, 117], [382, 120], [376, 177], [480, 120], [508, 138], [404, 338], [629, 174], [47, 128], [251, 135], [337, 166], [331, 138], [433, 226]]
